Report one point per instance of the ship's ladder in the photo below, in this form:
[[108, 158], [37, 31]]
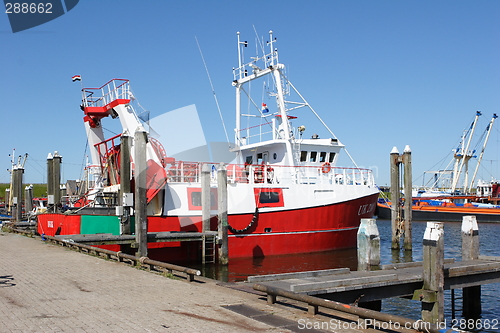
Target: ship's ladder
[[209, 246]]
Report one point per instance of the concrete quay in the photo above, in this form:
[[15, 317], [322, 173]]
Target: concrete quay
[[48, 288]]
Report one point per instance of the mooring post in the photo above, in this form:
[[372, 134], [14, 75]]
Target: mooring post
[[395, 196], [205, 207], [222, 225], [368, 245], [470, 251], [408, 198], [126, 198], [141, 219], [369, 254], [28, 199], [17, 191], [56, 181], [50, 182], [7, 200], [432, 293]]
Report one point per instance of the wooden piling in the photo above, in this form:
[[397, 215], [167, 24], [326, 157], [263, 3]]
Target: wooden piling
[[471, 307], [205, 196], [368, 254], [126, 199], [222, 226], [50, 181], [28, 199], [56, 181], [408, 198], [432, 293], [141, 218], [368, 245], [17, 191], [395, 198]]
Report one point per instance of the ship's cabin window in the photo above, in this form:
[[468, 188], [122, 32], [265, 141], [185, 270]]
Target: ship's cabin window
[[249, 160], [263, 158], [312, 157], [331, 157], [269, 197], [322, 157], [194, 198], [303, 156]]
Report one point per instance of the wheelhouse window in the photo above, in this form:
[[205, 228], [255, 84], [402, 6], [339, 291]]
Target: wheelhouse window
[[312, 157], [331, 157], [322, 157], [248, 160], [303, 156]]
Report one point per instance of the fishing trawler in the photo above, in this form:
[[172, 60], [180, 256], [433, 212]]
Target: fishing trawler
[[445, 200], [285, 192]]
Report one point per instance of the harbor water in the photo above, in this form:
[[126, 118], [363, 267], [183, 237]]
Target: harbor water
[[240, 269]]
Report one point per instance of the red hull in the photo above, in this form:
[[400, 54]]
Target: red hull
[[304, 230]]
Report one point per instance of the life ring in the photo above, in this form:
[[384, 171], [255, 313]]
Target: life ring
[[326, 167]]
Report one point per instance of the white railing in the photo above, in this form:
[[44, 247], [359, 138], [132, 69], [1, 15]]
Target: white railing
[[102, 96], [189, 172]]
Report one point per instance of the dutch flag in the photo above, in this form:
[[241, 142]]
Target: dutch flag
[[76, 78], [264, 108]]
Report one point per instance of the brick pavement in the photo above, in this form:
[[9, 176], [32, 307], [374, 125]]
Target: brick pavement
[[48, 288]]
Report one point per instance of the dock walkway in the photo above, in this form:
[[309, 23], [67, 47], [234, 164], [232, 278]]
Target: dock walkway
[[48, 288], [394, 280]]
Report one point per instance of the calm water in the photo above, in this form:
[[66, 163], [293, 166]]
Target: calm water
[[240, 269]]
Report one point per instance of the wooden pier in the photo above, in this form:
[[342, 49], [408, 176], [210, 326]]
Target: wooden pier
[[421, 281], [395, 280], [152, 237]]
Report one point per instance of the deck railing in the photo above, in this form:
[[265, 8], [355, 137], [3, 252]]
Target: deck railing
[[189, 172]]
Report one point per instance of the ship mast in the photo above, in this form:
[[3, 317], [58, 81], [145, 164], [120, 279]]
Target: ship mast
[[242, 76]]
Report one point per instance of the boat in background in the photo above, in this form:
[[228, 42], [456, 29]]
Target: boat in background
[[285, 192], [444, 200]]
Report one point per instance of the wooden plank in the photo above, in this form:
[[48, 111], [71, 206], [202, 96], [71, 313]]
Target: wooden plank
[[342, 282], [411, 264], [472, 267], [489, 258], [297, 275]]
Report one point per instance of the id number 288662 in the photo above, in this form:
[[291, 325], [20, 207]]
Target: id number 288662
[[477, 324], [28, 8]]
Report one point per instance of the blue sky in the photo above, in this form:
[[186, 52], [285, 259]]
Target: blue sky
[[380, 73]]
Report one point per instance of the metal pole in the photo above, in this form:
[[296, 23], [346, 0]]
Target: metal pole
[[395, 196], [222, 217], [408, 198], [141, 219]]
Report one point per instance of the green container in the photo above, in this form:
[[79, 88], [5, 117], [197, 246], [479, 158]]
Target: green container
[[100, 224]]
